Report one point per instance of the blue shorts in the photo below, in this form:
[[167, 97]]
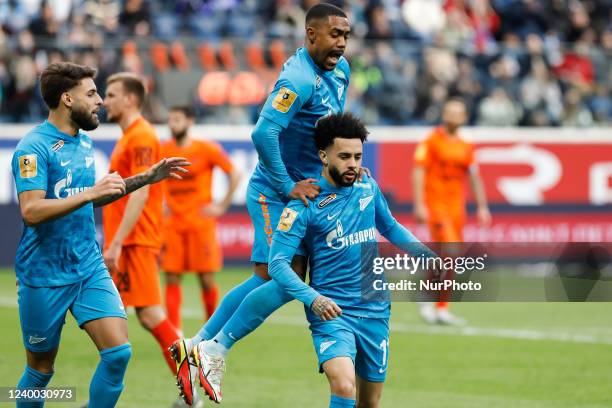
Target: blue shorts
[[364, 340], [42, 310], [265, 208]]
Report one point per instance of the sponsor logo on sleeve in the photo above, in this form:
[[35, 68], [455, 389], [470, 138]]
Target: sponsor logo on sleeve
[[27, 166], [284, 99], [286, 219]]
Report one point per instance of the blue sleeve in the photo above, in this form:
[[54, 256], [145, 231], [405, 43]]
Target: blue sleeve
[[287, 237], [395, 232], [29, 167], [286, 99], [266, 140]]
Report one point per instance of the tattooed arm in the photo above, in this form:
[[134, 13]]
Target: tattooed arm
[[165, 168]]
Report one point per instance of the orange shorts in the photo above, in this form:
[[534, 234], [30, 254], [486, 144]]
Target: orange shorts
[[194, 250], [446, 226], [138, 276]]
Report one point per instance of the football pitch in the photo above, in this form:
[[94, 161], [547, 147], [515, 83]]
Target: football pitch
[[511, 355]]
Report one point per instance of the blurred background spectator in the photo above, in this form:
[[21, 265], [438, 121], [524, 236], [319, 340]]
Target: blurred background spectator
[[515, 62]]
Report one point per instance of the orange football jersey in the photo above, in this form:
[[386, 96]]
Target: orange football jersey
[[136, 151], [446, 161], [186, 198]]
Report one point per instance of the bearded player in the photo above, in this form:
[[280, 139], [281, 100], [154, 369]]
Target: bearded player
[[312, 84], [59, 264]]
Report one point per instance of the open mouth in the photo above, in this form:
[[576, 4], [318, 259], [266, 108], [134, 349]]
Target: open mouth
[[334, 56]]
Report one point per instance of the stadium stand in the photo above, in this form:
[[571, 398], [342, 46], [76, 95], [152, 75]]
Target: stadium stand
[[516, 62]]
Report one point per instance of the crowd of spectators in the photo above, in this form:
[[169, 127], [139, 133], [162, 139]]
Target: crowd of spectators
[[515, 62]]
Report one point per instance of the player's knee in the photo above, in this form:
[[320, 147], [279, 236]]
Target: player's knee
[[173, 278], [343, 387], [150, 316], [117, 358], [261, 270], [45, 367], [42, 362], [207, 281]]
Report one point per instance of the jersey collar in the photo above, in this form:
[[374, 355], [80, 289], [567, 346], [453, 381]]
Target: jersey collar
[[53, 130], [328, 188]]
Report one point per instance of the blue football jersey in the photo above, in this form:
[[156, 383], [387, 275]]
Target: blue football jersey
[[64, 250], [302, 94], [339, 231]]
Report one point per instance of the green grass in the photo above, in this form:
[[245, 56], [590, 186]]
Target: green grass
[[490, 364]]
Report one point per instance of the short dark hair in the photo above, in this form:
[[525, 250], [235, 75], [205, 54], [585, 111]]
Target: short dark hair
[[323, 10], [456, 98], [132, 84], [60, 77], [343, 125], [186, 110]]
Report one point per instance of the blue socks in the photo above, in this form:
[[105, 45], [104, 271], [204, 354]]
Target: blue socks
[[107, 382], [226, 309], [339, 402], [32, 378], [252, 312]]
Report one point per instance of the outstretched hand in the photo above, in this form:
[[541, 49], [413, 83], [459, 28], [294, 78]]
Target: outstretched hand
[[167, 168]]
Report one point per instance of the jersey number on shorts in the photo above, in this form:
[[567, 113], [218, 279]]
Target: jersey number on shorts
[[123, 281], [383, 346]]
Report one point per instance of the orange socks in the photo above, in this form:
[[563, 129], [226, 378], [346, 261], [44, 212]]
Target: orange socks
[[174, 298], [210, 298], [166, 334]]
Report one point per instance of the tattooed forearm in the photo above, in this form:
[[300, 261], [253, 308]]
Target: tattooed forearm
[[131, 184]]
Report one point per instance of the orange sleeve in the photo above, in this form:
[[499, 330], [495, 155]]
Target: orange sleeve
[[219, 157], [143, 151], [422, 153]]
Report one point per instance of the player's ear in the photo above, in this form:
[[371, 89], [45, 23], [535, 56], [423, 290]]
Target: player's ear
[[311, 34], [66, 99], [323, 157]]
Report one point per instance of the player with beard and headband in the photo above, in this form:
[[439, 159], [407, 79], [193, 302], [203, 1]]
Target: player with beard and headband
[[190, 238], [132, 225], [312, 84], [59, 264], [349, 318]]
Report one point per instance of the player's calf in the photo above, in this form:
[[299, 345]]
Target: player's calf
[[368, 393], [32, 378], [107, 382]]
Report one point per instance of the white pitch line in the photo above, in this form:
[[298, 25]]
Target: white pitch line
[[468, 331]]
